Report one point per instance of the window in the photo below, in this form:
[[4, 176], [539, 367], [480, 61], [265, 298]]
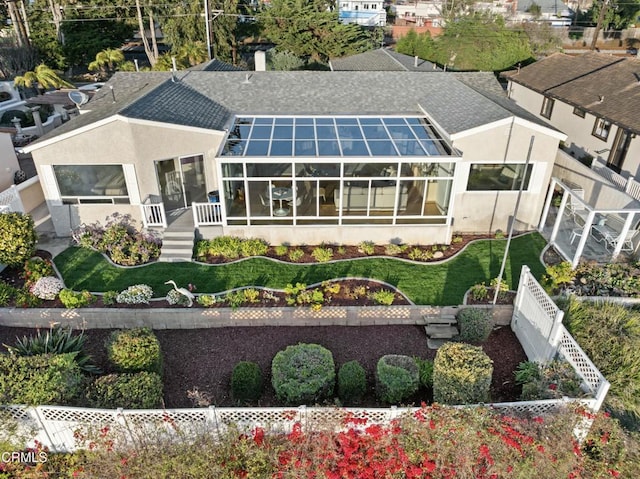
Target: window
[[498, 176], [601, 128], [547, 107], [578, 112], [91, 183]]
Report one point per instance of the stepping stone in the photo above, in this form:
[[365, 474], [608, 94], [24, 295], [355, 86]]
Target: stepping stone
[[444, 319], [441, 331], [436, 343]]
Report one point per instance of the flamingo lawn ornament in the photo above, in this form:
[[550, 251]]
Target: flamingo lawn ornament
[[183, 291]]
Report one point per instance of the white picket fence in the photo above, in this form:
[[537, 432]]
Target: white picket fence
[[628, 185]]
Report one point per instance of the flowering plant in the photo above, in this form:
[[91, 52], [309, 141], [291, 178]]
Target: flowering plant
[[136, 294], [47, 287], [174, 297]]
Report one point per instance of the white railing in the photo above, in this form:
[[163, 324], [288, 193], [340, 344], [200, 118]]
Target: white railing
[[628, 185], [10, 199], [153, 214], [207, 214], [56, 427], [537, 323]]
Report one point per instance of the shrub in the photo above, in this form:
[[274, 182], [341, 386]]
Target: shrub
[[475, 325], [479, 292], [55, 341], [136, 294], [207, 300], [499, 234], [47, 287], [456, 239], [110, 298], [322, 255], [246, 382], [383, 296], [393, 249], [304, 373], [367, 247], [53, 379], [397, 378], [142, 390], [551, 381], [296, 254], [235, 298], [17, 238], [72, 299], [425, 371], [174, 297], [253, 247], [281, 250], [7, 293], [36, 268], [226, 246], [461, 374], [352, 382], [133, 350], [25, 299], [558, 275]]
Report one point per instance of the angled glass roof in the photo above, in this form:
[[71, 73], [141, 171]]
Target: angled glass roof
[[329, 136]]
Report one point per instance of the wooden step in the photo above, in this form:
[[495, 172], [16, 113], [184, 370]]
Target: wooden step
[[441, 331]]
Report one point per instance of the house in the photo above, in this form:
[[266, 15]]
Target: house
[[593, 98], [368, 13], [301, 157]]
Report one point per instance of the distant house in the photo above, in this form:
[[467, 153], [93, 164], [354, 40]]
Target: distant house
[[301, 157], [593, 98], [368, 13]]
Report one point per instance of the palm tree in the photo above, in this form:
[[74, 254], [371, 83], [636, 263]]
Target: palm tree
[[42, 77], [194, 53], [107, 60]]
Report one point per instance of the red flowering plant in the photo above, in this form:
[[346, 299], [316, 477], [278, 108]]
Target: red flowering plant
[[432, 443]]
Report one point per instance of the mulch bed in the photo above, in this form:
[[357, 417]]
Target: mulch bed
[[203, 359]]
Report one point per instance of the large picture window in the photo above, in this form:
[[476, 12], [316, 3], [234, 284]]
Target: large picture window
[[91, 183], [498, 176]]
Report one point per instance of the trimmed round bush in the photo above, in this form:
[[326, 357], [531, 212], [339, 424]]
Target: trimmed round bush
[[397, 378], [141, 390], [17, 238], [246, 381], [304, 373], [461, 374], [352, 382], [134, 350], [475, 325]]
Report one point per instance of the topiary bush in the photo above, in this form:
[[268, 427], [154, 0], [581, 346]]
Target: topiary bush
[[53, 379], [304, 373], [134, 350], [475, 325], [246, 382], [461, 374], [142, 390], [397, 378], [17, 238], [352, 382]]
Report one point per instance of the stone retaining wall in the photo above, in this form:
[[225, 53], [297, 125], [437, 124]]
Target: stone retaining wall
[[197, 318]]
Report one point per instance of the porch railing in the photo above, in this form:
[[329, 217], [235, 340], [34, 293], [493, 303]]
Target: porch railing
[[206, 214], [153, 214], [628, 185], [10, 200]]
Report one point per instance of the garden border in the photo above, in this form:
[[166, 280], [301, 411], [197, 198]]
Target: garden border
[[199, 318]]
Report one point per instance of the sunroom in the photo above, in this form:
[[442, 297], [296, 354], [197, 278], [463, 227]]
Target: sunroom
[[343, 170]]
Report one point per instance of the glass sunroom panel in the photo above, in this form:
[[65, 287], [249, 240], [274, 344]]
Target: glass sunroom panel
[[235, 198], [257, 148], [382, 148], [234, 148], [258, 198], [409, 148], [268, 169], [375, 132], [328, 148], [232, 170], [354, 148], [326, 132], [281, 148], [261, 132], [305, 148]]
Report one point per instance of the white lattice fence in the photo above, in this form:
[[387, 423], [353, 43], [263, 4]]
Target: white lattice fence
[[10, 200], [536, 319]]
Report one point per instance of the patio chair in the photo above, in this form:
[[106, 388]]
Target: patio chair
[[627, 241]]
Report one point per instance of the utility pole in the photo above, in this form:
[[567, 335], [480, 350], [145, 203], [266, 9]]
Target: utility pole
[[603, 11], [208, 20]]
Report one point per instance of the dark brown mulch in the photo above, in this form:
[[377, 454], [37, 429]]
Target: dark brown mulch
[[203, 359], [505, 297]]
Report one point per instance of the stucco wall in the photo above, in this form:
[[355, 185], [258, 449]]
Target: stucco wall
[[482, 211], [8, 161], [578, 130]]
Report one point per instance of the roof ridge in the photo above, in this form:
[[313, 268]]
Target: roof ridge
[[394, 59]]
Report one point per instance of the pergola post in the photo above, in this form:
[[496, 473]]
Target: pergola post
[[547, 205], [623, 234], [583, 238], [556, 225]]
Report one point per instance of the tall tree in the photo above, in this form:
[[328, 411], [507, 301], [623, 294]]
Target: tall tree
[[184, 26], [107, 61], [19, 21], [311, 29], [150, 50]]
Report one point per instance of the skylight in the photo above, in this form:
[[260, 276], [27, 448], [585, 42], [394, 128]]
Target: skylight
[[339, 136]]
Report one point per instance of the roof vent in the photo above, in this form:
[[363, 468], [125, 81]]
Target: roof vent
[[601, 98], [173, 70], [113, 95], [247, 77]]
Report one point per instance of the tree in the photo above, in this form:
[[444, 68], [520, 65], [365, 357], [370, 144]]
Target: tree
[[17, 238], [180, 28], [309, 28], [107, 61], [42, 77], [17, 14], [416, 44]]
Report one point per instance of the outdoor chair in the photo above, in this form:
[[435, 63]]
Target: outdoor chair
[[627, 241]]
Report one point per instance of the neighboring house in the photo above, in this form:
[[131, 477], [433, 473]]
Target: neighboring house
[[382, 59], [418, 13], [368, 13], [302, 157], [593, 98], [552, 12]]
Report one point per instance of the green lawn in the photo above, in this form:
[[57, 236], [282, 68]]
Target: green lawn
[[435, 284]]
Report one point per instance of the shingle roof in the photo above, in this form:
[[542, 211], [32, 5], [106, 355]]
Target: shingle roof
[[210, 99], [380, 60], [604, 85], [216, 65]]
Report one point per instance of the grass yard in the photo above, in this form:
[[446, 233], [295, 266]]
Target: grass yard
[[435, 284]]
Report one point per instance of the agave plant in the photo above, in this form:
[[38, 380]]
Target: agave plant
[[55, 341]]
